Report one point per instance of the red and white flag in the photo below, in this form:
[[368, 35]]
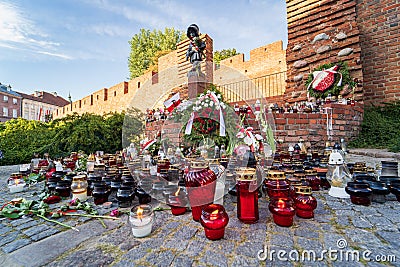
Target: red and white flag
[[173, 102]]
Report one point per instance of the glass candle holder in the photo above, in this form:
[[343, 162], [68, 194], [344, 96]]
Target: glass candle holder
[[141, 220], [277, 186], [63, 188], [360, 193], [16, 185], [177, 201], [313, 179], [79, 187], [305, 203], [214, 219], [143, 197], [282, 210], [125, 196], [100, 192], [247, 195], [200, 184]]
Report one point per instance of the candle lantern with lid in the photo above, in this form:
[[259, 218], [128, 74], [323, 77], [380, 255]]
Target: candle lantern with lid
[[200, 184], [305, 203], [338, 175], [247, 195]]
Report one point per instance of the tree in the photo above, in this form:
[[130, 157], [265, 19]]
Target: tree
[[223, 54], [146, 44]]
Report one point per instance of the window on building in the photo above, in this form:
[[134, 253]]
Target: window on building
[[15, 113], [15, 101], [5, 98], [5, 112]]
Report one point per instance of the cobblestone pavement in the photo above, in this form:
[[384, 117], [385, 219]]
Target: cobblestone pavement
[[338, 234]]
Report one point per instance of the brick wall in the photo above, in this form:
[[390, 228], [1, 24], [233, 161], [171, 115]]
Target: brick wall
[[312, 127], [308, 21], [380, 42]]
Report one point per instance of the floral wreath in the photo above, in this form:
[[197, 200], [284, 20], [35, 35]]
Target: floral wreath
[[339, 71]]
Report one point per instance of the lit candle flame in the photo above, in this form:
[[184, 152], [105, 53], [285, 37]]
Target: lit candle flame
[[140, 213], [177, 192], [281, 204], [214, 215], [16, 181]]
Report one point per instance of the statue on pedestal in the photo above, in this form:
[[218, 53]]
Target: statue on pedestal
[[196, 48]]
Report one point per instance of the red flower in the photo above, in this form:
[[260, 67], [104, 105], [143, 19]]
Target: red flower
[[52, 199], [114, 213]]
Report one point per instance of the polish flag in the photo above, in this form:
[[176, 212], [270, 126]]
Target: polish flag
[[148, 144], [173, 102], [40, 113]]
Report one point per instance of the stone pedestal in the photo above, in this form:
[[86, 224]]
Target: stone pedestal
[[196, 83]]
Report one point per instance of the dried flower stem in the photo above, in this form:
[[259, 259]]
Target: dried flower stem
[[60, 223]]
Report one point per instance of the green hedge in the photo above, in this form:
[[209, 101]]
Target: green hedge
[[380, 128], [20, 138]]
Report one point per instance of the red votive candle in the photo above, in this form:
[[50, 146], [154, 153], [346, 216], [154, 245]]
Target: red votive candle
[[200, 184], [177, 202], [247, 195], [282, 211], [277, 187], [305, 203], [214, 220]]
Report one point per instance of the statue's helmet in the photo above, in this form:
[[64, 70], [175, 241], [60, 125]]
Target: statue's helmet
[[193, 28]]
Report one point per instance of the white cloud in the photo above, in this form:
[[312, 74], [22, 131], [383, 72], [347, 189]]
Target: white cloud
[[18, 32]]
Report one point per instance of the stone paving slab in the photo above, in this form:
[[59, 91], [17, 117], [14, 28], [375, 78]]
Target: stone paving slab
[[338, 226]]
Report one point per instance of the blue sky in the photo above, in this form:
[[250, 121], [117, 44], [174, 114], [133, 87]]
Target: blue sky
[[81, 46]]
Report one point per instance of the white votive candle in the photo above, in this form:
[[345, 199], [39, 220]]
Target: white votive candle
[[141, 219]]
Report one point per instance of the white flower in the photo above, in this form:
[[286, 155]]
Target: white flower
[[205, 105], [219, 96], [259, 137], [211, 104], [247, 140], [223, 105], [217, 107], [240, 135]]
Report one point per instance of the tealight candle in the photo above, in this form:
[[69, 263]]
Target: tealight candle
[[214, 219], [16, 185], [141, 220]]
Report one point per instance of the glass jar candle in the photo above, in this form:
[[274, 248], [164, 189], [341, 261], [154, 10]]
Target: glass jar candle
[[177, 201], [214, 219], [143, 196], [141, 220], [277, 186], [16, 185], [282, 210], [125, 196], [200, 184], [313, 180], [360, 193], [305, 203], [247, 195], [63, 188], [100, 193], [79, 187]]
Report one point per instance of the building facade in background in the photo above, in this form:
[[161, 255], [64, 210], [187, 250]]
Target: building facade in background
[[10, 103], [40, 105]]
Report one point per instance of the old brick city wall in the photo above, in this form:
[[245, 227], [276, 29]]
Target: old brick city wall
[[378, 23]]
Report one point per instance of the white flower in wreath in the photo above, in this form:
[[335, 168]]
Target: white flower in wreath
[[247, 140], [211, 104], [259, 137], [223, 105], [217, 107], [219, 96], [240, 135], [205, 105]]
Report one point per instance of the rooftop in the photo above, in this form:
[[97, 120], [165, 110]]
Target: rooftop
[[45, 97]]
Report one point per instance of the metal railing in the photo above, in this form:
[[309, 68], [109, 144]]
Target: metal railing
[[260, 87]]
